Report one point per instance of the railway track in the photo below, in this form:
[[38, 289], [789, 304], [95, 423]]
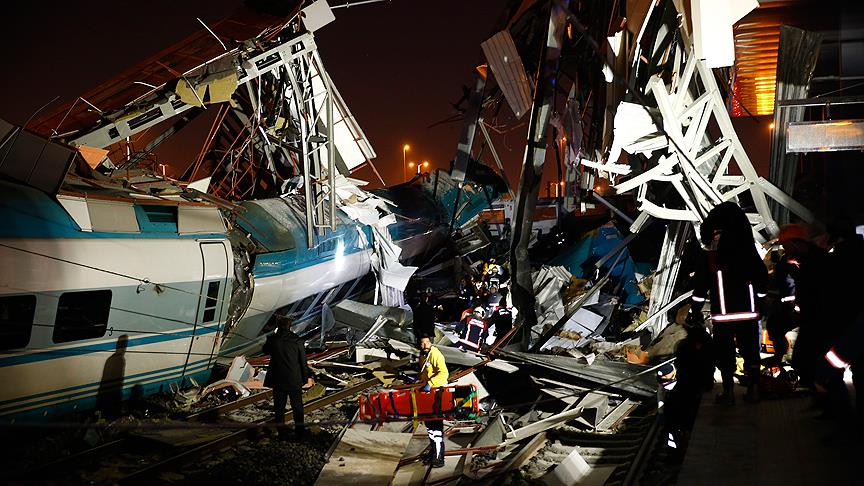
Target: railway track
[[131, 460]]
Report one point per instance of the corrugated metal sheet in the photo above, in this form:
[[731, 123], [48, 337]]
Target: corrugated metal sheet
[[507, 66]]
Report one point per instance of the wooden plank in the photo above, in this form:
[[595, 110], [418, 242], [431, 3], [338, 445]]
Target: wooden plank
[[364, 458]]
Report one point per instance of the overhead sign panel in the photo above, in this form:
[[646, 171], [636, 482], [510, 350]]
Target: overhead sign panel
[[825, 136]]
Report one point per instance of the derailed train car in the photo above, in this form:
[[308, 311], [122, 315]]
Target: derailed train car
[[106, 294]]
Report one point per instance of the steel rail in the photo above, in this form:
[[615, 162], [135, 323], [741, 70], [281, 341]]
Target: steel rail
[[146, 474]]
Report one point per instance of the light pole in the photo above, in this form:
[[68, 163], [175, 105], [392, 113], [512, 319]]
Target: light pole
[[405, 149]]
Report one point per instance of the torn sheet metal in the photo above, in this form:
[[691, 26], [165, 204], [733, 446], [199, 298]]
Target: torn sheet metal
[[94, 156], [594, 407], [451, 355], [392, 276], [32, 159], [213, 83], [613, 375], [632, 122], [507, 67], [317, 15], [611, 54], [391, 320], [712, 28], [581, 324]]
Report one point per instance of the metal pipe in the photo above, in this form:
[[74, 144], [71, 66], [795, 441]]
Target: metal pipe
[[613, 208], [331, 155]]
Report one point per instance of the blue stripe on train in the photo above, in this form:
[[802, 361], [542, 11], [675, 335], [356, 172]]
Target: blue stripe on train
[[170, 376], [38, 415], [101, 347], [126, 378]]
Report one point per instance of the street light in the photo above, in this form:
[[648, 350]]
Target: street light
[[425, 166], [405, 149], [410, 166]]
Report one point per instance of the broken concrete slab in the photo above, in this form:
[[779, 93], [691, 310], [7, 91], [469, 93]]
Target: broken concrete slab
[[575, 470], [364, 458]]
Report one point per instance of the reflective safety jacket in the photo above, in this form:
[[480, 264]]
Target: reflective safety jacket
[[472, 333], [736, 290], [434, 369]]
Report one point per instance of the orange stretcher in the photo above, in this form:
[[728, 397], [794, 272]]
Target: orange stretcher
[[445, 402]]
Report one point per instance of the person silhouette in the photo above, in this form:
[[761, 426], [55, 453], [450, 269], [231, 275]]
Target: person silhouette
[[110, 395]]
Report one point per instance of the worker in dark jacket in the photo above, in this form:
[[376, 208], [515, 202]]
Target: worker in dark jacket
[[424, 317], [840, 334], [735, 277], [502, 319], [815, 323], [287, 375], [785, 311]]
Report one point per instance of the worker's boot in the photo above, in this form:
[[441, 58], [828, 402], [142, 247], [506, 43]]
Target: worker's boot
[[436, 450], [727, 396], [439, 456], [752, 395]]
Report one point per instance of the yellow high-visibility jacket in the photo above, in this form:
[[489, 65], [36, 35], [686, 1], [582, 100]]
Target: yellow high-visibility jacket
[[434, 369]]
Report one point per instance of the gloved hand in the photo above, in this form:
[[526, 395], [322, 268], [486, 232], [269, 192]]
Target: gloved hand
[[427, 387]]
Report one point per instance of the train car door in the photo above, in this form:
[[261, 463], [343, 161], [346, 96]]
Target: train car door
[[212, 298]]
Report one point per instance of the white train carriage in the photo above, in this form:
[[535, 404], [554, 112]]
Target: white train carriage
[[106, 298]]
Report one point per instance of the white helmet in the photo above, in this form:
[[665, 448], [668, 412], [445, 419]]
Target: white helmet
[[480, 312]]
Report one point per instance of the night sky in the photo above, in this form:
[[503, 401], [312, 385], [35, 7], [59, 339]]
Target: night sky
[[399, 65]]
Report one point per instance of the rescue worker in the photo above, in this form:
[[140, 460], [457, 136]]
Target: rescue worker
[[473, 330], [813, 320], [490, 269], [493, 300], [433, 374], [784, 314], [466, 291], [734, 275], [502, 319], [841, 331], [424, 317], [287, 374]]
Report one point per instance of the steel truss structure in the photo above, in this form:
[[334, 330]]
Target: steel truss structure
[[282, 123]]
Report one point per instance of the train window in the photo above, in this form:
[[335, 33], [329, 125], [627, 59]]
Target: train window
[[82, 315], [16, 320], [211, 302]]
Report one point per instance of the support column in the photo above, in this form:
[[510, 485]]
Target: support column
[[532, 169]]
